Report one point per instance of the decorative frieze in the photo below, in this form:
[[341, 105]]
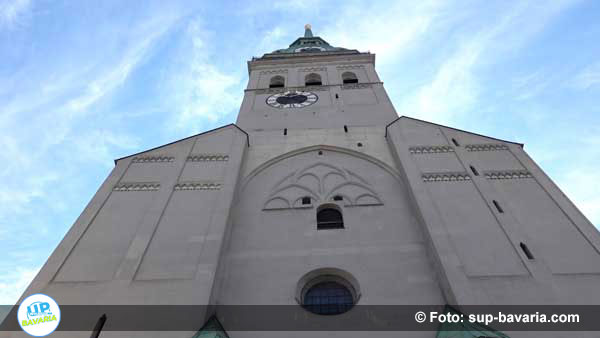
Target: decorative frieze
[[312, 69], [137, 186], [153, 159], [507, 174], [207, 157], [286, 89], [446, 177], [356, 86], [485, 147], [197, 186], [350, 67], [431, 149], [274, 71]]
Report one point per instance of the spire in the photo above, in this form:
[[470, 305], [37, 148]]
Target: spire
[[308, 31], [310, 44]]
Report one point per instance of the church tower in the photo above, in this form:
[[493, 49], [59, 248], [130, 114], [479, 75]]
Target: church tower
[[321, 198]]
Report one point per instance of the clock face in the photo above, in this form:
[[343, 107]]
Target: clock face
[[292, 99]]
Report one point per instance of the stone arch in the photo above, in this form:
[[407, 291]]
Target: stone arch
[[277, 81], [392, 171], [349, 77], [313, 79], [315, 178]]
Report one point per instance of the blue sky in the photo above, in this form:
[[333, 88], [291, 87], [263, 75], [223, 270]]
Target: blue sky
[[85, 82]]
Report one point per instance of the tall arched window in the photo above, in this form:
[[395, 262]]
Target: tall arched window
[[277, 81], [349, 77], [313, 79], [329, 217]]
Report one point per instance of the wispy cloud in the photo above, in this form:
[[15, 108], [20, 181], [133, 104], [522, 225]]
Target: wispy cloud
[[587, 78], [13, 12], [199, 91], [455, 88], [387, 29], [14, 283]]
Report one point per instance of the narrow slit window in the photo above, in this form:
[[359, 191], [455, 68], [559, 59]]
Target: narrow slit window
[[498, 207], [337, 198], [345, 128], [337, 96], [99, 326], [455, 142], [285, 131], [526, 251], [475, 172], [305, 200]]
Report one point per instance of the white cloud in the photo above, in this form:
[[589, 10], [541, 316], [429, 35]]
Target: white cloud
[[576, 184], [12, 12], [116, 74], [587, 78], [455, 88], [387, 30], [98, 145], [199, 90], [14, 283]]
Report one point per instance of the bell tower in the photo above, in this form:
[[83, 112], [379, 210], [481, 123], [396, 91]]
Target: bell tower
[[312, 84], [321, 198]]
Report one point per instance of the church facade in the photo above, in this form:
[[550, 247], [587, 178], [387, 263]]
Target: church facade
[[321, 197]]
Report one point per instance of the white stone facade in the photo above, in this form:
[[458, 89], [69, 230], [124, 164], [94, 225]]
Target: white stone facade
[[432, 215]]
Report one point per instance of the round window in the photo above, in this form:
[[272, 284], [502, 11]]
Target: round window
[[328, 298]]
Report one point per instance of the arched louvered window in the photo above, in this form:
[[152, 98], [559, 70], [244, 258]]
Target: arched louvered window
[[329, 217], [349, 77], [328, 298], [277, 81], [313, 79]]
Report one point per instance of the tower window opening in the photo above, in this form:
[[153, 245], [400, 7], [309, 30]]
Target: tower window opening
[[285, 131], [306, 200], [329, 217], [498, 206], [320, 152], [99, 326], [328, 298], [359, 144], [345, 128], [337, 96], [455, 142], [313, 79], [338, 198], [475, 172], [277, 81], [349, 77], [526, 251]]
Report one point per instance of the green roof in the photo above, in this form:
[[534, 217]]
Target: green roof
[[309, 44]]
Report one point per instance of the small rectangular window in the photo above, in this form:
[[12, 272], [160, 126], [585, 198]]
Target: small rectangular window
[[475, 172], [526, 251], [305, 200], [285, 131], [498, 206]]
